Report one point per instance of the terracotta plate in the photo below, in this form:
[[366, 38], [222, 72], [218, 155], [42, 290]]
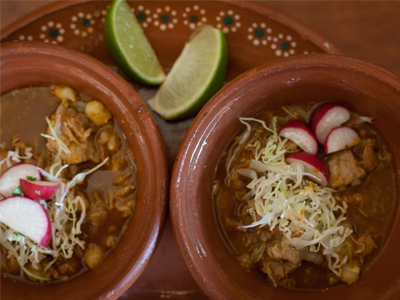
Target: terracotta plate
[[255, 33]]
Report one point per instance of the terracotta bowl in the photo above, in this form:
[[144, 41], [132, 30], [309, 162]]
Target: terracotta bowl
[[358, 85], [24, 64]]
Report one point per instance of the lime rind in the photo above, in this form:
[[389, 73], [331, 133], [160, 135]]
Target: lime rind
[[192, 82], [129, 46]]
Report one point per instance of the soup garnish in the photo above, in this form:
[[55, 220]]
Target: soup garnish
[[305, 219], [68, 195]]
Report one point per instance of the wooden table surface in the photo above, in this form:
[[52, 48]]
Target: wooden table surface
[[368, 30]]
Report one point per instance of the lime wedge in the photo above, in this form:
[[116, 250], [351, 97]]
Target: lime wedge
[[195, 77], [129, 46]]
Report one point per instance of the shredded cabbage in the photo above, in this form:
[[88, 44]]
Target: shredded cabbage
[[65, 222], [16, 157], [363, 119], [55, 137], [307, 214]]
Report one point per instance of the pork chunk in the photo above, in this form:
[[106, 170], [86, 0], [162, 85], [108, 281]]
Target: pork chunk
[[343, 169], [73, 129], [369, 158], [273, 269], [277, 270], [283, 250]]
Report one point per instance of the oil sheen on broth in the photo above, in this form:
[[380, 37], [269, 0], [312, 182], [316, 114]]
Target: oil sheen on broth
[[108, 193], [368, 197]]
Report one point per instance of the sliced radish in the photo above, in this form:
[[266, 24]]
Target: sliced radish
[[38, 190], [327, 117], [9, 180], [312, 164], [299, 133], [28, 217], [341, 138]]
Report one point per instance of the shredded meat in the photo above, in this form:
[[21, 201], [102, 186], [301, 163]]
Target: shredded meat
[[369, 158], [119, 199], [264, 235], [283, 250], [366, 244], [245, 261], [66, 268], [289, 254], [97, 213], [275, 270], [73, 129], [248, 211], [366, 152], [275, 251], [75, 126], [343, 169], [247, 240], [20, 147], [291, 146]]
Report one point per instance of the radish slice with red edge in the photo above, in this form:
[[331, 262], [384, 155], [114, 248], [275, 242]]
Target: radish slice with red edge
[[28, 217], [9, 180], [341, 138], [326, 117], [299, 133], [312, 164], [38, 190]]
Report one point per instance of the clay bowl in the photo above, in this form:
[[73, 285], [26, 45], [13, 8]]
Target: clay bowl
[[360, 86], [24, 64]]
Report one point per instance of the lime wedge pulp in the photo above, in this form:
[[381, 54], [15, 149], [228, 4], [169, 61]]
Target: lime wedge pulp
[[195, 77], [129, 46]]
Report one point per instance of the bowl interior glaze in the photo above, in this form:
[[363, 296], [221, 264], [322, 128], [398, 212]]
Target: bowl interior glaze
[[360, 86], [35, 64]]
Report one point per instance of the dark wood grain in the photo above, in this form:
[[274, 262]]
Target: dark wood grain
[[368, 30]]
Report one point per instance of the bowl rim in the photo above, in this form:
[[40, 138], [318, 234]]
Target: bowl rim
[[306, 32], [215, 109], [144, 125]]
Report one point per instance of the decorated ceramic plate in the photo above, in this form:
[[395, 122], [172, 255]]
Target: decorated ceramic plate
[[255, 34]]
